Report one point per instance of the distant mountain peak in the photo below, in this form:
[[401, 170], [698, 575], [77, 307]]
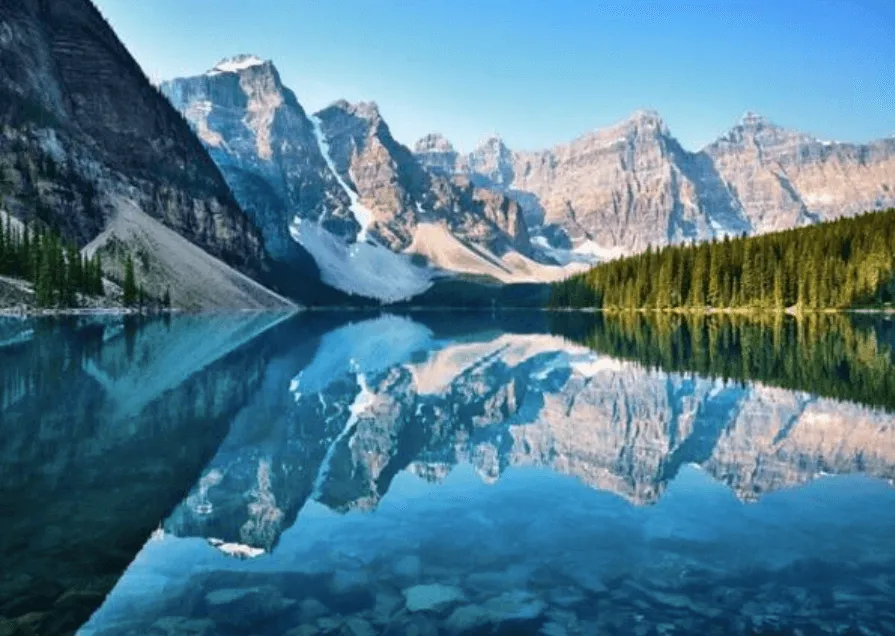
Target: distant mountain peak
[[639, 121], [236, 64], [491, 140], [646, 115], [365, 110], [433, 142], [751, 119]]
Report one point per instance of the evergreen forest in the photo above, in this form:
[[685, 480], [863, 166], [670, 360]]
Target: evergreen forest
[[835, 265]]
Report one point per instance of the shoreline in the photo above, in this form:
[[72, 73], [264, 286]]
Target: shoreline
[[33, 312]]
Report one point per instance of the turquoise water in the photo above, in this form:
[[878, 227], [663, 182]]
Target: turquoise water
[[440, 474]]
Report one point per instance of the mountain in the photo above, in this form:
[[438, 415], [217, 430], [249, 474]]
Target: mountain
[[615, 191], [90, 147], [338, 186]]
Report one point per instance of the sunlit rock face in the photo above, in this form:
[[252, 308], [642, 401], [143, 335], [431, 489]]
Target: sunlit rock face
[[266, 146], [337, 186], [618, 189], [785, 178]]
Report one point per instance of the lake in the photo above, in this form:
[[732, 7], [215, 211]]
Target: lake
[[447, 473]]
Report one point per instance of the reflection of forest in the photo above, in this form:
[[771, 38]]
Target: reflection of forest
[[831, 355]]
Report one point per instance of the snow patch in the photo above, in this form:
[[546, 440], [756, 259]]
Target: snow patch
[[589, 248], [364, 269], [236, 64], [362, 214], [364, 347], [815, 199]]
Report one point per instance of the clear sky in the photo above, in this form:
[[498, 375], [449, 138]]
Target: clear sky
[[541, 72]]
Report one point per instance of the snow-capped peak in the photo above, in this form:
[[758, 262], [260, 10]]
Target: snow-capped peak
[[236, 63]]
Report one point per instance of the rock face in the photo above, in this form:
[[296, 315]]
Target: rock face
[[266, 146], [617, 190], [340, 186], [84, 130]]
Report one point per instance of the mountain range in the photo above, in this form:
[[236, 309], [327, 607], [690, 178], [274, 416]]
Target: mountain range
[[245, 199], [340, 184]]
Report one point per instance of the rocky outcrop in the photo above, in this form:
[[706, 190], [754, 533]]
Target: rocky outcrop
[[341, 172], [783, 178], [617, 190], [83, 128], [266, 146]]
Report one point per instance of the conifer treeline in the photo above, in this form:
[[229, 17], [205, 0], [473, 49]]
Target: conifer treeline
[[844, 263], [55, 267]]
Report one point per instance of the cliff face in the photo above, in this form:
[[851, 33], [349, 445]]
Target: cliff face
[[616, 190], [337, 184], [84, 132]]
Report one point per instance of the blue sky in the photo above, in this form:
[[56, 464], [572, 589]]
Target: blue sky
[[540, 72]]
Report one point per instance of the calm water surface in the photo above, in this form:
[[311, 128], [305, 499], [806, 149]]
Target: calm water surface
[[426, 474]]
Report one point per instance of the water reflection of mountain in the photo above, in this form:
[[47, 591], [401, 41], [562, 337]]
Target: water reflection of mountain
[[377, 397], [106, 423]]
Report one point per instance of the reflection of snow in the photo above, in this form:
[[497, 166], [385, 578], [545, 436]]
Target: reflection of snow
[[362, 402], [364, 347], [237, 550]]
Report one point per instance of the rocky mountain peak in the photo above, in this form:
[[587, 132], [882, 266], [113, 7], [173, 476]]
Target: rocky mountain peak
[[364, 110], [492, 144], [751, 119], [756, 130], [643, 121], [491, 163], [433, 142]]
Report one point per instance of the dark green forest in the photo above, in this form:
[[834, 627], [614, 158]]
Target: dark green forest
[[832, 355], [836, 265], [56, 268]]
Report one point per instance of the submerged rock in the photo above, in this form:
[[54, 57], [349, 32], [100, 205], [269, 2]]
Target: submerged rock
[[408, 568], [182, 626], [434, 597], [311, 609], [516, 605], [508, 613], [387, 603], [245, 606]]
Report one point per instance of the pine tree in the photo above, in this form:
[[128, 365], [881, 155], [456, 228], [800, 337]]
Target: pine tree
[[838, 264], [130, 283], [166, 299], [98, 288]]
